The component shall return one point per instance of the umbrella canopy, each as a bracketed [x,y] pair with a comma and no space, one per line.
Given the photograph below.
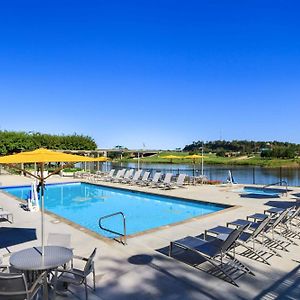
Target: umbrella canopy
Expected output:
[42,156]
[171,157]
[101,159]
[194,156]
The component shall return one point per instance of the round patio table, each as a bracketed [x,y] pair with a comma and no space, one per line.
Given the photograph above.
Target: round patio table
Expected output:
[31,259]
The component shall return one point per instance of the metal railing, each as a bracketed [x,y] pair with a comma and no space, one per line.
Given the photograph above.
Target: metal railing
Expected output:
[242,174]
[278,183]
[122,235]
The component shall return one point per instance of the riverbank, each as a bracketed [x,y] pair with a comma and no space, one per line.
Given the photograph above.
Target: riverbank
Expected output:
[216,160]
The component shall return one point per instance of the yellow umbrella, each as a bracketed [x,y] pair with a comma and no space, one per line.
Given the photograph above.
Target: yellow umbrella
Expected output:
[42,156]
[171,157]
[101,159]
[194,157]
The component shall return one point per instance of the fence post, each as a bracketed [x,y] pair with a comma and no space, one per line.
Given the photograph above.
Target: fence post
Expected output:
[253,175]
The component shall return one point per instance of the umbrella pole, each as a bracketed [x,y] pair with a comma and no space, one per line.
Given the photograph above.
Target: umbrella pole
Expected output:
[42,204]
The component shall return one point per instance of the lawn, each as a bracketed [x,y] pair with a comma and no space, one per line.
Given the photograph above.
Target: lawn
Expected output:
[215,160]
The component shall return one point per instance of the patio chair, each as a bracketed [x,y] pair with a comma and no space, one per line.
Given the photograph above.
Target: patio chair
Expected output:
[8,216]
[59,239]
[178,183]
[14,286]
[215,252]
[136,177]
[78,276]
[145,179]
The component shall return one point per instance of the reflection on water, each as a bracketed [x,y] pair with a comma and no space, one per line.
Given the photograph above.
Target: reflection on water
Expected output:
[242,174]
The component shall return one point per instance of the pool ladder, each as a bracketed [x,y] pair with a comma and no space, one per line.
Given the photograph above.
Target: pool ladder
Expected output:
[279,183]
[123,236]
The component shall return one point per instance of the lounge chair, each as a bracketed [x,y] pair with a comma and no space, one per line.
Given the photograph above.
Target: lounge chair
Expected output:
[109,176]
[78,276]
[215,251]
[249,240]
[166,181]
[286,226]
[127,176]
[118,176]
[14,286]
[8,216]
[276,240]
[155,180]
[136,177]
[178,183]
[144,180]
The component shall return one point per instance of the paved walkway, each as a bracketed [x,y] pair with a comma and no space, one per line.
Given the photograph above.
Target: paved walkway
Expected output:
[141,270]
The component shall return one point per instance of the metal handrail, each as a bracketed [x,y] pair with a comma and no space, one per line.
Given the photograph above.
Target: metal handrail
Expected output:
[278,183]
[115,232]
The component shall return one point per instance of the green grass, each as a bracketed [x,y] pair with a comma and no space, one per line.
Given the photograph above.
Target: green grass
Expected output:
[215,160]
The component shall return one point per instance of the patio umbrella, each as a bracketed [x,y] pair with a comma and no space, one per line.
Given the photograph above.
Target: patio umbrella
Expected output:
[171,157]
[194,157]
[41,157]
[101,159]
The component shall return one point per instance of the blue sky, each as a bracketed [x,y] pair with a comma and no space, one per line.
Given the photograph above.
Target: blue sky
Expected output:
[162,73]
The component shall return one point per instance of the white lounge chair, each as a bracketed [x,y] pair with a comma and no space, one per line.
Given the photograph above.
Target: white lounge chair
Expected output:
[136,177]
[109,176]
[144,180]
[127,176]
[155,180]
[178,183]
[120,174]
[166,181]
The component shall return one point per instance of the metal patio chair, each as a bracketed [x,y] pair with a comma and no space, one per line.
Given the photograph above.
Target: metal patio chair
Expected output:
[14,286]
[78,276]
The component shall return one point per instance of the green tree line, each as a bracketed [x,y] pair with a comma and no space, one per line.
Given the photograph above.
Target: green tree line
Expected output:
[243,147]
[14,142]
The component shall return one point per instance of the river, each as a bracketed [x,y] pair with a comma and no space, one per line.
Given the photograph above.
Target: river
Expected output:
[241,174]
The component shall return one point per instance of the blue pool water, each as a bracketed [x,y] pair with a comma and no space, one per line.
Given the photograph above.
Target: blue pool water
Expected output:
[84,203]
[267,192]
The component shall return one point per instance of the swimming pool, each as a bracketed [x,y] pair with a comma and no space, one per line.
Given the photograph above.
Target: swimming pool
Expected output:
[84,204]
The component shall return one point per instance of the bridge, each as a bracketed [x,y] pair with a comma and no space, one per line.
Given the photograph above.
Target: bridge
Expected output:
[104,151]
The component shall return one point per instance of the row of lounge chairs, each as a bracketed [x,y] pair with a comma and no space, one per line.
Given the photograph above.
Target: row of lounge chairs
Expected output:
[128,176]
[261,236]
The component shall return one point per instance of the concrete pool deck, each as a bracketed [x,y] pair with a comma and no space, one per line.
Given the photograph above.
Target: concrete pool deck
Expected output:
[139,271]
